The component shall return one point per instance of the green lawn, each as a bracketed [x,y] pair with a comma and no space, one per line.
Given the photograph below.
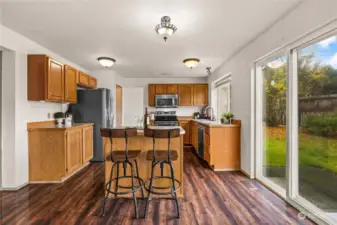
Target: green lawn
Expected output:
[313,151]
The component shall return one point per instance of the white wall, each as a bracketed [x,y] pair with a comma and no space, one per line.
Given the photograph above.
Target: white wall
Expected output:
[143,82]
[309,15]
[17,109]
[133,105]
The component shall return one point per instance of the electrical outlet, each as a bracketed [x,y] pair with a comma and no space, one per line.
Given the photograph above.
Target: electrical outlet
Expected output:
[48,115]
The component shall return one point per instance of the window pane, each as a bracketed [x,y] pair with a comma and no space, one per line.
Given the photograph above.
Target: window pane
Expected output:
[317,92]
[274,121]
[223,99]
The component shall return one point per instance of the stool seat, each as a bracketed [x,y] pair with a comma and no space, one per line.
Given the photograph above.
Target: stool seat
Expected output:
[162,155]
[120,155]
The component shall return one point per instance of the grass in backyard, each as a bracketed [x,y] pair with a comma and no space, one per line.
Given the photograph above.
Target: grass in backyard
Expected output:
[313,150]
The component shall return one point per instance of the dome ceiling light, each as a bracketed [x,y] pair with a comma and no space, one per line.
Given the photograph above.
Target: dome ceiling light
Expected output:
[165,28]
[191,62]
[106,61]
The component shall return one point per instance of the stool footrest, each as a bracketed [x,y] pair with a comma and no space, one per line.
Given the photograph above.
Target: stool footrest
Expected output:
[147,184]
[136,187]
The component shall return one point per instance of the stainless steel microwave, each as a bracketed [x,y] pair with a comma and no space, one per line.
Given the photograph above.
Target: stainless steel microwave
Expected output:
[166,101]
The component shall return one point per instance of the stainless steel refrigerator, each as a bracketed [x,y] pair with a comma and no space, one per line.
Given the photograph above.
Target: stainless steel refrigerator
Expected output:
[94,106]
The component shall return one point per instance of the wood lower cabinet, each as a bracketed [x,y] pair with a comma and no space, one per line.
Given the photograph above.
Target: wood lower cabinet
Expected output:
[187,127]
[185,94]
[74,150]
[221,145]
[58,152]
[87,144]
[70,84]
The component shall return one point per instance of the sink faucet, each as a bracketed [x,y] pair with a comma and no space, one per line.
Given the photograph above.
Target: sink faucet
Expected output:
[205,112]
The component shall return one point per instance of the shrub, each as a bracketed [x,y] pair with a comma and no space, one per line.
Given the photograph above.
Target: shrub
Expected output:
[325,126]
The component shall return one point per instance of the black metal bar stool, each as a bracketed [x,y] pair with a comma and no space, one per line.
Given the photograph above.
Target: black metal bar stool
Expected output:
[162,157]
[125,158]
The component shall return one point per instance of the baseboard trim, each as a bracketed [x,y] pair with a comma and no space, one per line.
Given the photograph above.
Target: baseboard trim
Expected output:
[14,188]
[219,170]
[63,179]
[245,173]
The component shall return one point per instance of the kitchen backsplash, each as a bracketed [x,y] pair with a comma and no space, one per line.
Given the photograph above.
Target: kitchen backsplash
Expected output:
[181,111]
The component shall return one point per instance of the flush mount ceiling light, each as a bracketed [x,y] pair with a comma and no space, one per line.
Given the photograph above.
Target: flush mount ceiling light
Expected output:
[106,61]
[165,28]
[191,62]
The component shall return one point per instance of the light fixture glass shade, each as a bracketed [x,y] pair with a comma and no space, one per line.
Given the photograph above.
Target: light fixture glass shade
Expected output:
[106,61]
[165,28]
[191,62]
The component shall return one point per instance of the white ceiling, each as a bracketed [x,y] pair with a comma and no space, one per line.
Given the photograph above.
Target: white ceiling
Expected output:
[82,30]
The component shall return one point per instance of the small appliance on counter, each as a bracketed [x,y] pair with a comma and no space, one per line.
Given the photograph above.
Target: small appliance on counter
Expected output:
[165,118]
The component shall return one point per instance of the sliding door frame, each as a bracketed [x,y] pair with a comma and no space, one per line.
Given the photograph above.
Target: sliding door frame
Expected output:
[290,50]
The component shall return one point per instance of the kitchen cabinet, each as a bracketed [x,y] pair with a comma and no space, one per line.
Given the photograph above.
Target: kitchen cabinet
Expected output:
[70,84]
[55,153]
[200,94]
[160,89]
[152,93]
[221,144]
[45,78]
[185,93]
[187,136]
[92,82]
[83,79]
[171,89]
[87,144]
[74,150]
[188,94]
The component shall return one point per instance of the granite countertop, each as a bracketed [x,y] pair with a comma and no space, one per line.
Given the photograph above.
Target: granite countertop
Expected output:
[141,130]
[62,127]
[214,123]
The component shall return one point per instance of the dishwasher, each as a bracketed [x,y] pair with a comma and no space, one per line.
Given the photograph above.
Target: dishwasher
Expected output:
[201,141]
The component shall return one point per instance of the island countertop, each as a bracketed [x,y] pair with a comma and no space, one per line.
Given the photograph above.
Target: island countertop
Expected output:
[140,131]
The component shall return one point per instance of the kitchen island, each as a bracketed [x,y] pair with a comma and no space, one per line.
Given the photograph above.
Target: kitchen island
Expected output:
[140,142]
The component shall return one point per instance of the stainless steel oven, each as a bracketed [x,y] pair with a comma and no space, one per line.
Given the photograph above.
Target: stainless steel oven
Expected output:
[166,101]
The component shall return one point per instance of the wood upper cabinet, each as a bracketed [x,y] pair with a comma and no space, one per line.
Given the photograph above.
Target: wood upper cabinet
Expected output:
[92,82]
[70,84]
[160,89]
[187,127]
[83,79]
[171,89]
[87,144]
[55,80]
[185,94]
[200,94]
[45,79]
[152,93]
[74,154]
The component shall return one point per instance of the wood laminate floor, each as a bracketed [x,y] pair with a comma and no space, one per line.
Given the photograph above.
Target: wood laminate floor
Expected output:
[210,198]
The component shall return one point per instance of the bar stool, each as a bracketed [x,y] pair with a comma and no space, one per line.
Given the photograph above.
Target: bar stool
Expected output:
[125,158]
[162,157]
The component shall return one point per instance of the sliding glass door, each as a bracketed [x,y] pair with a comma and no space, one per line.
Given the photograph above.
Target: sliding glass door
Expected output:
[296,125]
[272,121]
[317,120]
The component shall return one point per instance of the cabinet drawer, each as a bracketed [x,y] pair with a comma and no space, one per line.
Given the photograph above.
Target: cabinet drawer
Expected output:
[207,139]
[83,79]
[92,82]
[207,157]
[207,129]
